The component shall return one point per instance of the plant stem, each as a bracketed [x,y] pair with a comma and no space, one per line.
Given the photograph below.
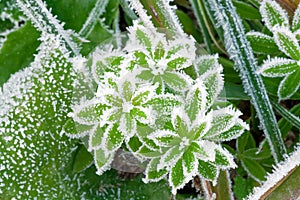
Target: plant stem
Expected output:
[290,117]
[240,51]
[163,16]
[43,20]
[223,188]
[204,25]
[200,15]
[93,18]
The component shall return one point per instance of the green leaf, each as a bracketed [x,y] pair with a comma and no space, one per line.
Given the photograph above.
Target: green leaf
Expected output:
[221,159]
[234,132]
[272,87]
[287,43]
[257,154]
[145,75]
[153,173]
[33,151]
[197,131]
[138,114]
[89,113]
[198,151]
[100,34]
[261,43]
[127,90]
[242,187]
[140,98]
[83,159]
[111,187]
[177,178]
[96,136]
[134,144]
[296,20]
[176,63]
[222,120]
[284,124]
[232,91]
[75,130]
[65,12]
[245,10]
[278,67]
[149,153]
[102,160]
[195,100]
[163,105]
[176,81]
[140,59]
[190,162]
[205,63]
[143,39]
[106,64]
[127,124]
[273,14]
[171,156]
[113,137]
[159,51]
[114,100]
[164,138]
[17,51]
[214,83]
[207,170]
[288,86]
[246,141]
[254,169]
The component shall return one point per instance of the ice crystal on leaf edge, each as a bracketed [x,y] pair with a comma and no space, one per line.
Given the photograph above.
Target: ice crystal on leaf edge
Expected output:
[280,171]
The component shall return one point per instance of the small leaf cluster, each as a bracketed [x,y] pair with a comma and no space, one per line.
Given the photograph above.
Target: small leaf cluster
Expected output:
[284,39]
[147,104]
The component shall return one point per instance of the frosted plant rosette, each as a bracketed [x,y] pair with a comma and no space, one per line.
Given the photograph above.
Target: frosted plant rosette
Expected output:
[146,104]
[284,39]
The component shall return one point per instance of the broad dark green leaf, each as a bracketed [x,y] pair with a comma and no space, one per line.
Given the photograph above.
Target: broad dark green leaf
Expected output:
[261,43]
[207,170]
[112,187]
[289,85]
[72,13]
[254,169]
[246,141]
[82,159]
[272,85]
[34,155]
[256,154]
[17,51]
[246,11]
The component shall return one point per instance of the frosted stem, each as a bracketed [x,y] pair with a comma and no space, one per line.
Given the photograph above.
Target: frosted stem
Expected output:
[164,16]
[290,117]
[207,189]
[284,180]
[93,17]
[44,21]
[138,7]
[240,51]
[223,188]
